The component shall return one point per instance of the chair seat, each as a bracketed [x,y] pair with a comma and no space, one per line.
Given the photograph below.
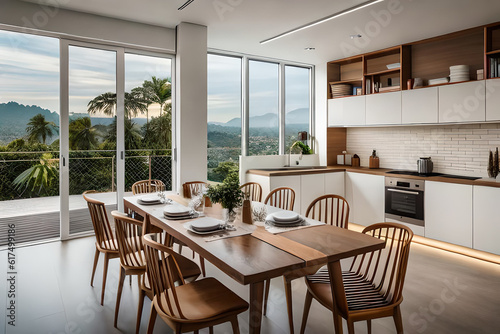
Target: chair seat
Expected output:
[360,293]
[202,300]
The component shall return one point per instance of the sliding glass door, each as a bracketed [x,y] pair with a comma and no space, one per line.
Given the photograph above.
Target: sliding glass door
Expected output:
[92,131]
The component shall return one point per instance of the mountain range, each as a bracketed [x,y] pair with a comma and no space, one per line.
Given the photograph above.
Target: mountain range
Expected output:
[14,118]
[270,120]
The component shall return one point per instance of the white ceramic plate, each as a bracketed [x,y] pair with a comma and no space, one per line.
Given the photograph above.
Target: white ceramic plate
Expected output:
[206,224]
[176,210]
[285,216]
[150,198]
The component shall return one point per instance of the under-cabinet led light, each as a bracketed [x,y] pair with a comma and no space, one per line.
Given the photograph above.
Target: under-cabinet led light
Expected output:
[328,18]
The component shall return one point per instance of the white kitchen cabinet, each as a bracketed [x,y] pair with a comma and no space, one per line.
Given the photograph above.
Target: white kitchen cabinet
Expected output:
[383,108]
[347,111]
[335,183]
[493,100]
[448,212]
[463,102]
[419,106]
[311,187]
[365,195]
[486,222]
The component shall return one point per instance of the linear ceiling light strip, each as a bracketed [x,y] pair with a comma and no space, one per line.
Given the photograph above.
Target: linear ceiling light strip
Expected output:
[187,3]
[328,18]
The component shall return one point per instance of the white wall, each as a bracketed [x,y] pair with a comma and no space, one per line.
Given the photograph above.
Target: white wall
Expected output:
[96,28]
[454,149]
[191,103]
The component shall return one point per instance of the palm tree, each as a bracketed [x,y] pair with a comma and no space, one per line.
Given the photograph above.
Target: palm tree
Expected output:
[160,90]
[39,177]
[132,136]
[106,104]
[145,95]
[82,135]
[39,129]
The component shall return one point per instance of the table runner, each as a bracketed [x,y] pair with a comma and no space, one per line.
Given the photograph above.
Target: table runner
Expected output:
[299,250]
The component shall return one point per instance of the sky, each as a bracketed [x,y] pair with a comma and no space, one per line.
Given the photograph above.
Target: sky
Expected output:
[29,74]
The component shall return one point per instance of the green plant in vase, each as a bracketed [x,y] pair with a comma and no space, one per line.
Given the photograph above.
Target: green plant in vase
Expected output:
[228,194]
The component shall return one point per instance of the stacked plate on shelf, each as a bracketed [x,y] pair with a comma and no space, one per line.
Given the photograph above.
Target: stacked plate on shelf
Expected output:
[438,81]
[177,212]
[284,219]
[459,73]
[339,90]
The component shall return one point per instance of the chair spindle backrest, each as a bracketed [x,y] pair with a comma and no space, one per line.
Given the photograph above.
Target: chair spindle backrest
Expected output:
[102,229]
[252,191]
[147,186]
[129,238]
[163,271]
[282,197]
[194,187]
[330,209]
[386,268]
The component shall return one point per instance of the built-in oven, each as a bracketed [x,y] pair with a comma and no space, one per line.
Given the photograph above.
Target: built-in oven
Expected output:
[404,201]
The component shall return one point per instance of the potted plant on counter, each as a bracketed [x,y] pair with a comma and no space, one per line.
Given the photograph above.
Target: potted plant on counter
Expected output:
[228,194]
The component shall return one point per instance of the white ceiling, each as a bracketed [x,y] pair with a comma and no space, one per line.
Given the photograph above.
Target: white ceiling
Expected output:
[239,25]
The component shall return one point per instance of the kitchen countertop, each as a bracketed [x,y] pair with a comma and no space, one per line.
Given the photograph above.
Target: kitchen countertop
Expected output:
[373,171]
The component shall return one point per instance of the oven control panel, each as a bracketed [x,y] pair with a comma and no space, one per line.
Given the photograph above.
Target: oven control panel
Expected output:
[404,183]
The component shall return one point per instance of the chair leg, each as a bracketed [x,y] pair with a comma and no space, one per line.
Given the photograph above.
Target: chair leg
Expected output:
[369,326]
[202,265]
[193,254]
[337,320]
[307,307]
[96,259]
[266,295]
[104,275]
[119,295]
[234,324]
[289,305]
[350,327]
[180,249]
[152,319]
[211,330]
[139,309]
[398,320]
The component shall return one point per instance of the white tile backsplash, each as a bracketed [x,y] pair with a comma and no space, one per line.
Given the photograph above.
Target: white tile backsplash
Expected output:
[455,149]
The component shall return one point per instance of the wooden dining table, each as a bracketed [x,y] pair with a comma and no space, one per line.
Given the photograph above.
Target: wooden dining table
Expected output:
[253,258]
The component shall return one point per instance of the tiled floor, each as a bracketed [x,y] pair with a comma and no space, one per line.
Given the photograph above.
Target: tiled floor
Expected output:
[444,293]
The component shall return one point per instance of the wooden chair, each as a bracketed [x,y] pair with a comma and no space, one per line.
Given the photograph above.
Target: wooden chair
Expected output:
[131,250]
[147,186]
[105,240]
[253,190]
[193,187]
[330,209]
[282,197]
[188,268]
[372,287]
[187,307]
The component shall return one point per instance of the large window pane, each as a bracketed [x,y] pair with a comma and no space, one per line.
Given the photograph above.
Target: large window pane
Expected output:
[29,136]
[92,130]
[148,119]
[297,103]
[224,115]
[263,108]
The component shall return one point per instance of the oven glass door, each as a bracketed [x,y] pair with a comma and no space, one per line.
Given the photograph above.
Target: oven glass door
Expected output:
[405,203]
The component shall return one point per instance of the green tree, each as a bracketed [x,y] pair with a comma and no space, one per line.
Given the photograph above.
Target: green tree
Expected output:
[157,90]
[39,129]
[132,135]
[158,134]
[106,104]
[225,169]
[82,135]
[38,178]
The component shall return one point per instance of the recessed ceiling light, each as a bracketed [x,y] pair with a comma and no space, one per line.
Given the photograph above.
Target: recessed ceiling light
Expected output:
[356,36]
[328,18]
[309,49]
